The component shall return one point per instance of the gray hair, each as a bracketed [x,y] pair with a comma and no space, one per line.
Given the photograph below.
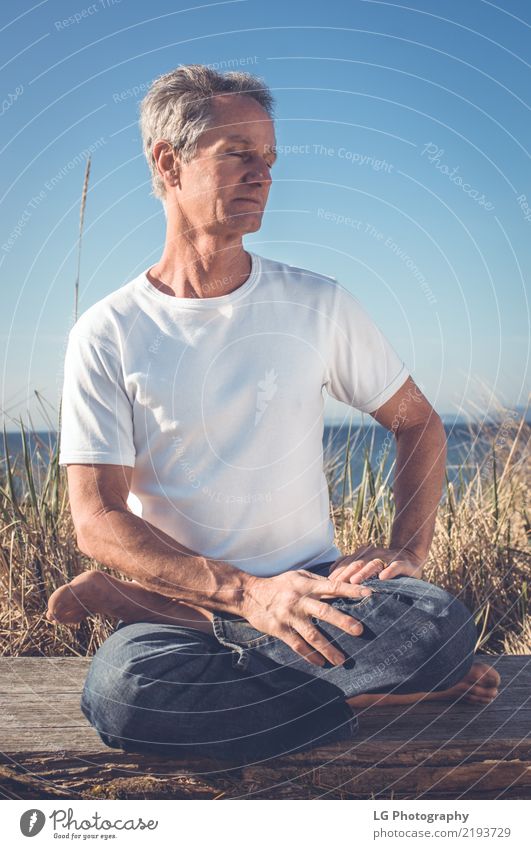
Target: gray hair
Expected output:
[177,108]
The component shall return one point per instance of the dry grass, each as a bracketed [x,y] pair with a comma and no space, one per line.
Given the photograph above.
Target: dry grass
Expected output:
[480,549]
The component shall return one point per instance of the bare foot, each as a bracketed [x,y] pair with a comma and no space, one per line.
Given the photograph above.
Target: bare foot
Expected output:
[96,592]
[479,686]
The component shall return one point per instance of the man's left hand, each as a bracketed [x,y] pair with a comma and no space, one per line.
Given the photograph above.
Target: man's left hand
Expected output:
[369,561]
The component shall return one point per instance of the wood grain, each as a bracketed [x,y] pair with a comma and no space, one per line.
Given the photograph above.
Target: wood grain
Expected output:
[428,750]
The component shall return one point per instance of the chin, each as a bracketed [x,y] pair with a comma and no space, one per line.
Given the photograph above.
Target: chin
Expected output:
[246,223]
[254,225]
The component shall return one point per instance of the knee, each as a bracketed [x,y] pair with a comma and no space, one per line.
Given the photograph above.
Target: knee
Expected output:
[135,693]
[110,692]
[451,640]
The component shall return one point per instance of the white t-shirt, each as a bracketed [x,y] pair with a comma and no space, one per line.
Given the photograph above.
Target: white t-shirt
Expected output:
[217,404]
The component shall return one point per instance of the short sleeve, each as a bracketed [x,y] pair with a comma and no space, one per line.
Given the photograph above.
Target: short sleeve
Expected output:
[363,368]
[96,414]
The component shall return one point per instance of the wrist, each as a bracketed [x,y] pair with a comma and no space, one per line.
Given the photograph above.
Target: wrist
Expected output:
[249,584]
[233,591]
[217,585]
[413,552]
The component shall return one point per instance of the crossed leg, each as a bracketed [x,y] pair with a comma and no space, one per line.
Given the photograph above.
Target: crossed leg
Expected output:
[96,592]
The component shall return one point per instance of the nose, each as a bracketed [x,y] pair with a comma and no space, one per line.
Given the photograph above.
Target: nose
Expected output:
[258,173]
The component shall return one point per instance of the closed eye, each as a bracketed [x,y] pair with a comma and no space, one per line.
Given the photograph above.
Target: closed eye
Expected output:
[243,155]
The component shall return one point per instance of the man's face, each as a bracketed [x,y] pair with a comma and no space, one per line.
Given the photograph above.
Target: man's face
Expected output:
[224,189]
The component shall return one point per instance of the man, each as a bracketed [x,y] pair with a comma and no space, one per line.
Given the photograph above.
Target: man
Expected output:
[192,432]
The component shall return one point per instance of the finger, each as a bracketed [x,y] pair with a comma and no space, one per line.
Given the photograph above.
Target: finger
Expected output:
[352,569]
[312,575]
[346,568]
[374,567]
[341,589]
[318,641]
[295,641]
[337,572]
[326,613]
[398,567]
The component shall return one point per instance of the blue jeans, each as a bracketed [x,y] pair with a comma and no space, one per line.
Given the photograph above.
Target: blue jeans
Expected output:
[246,696]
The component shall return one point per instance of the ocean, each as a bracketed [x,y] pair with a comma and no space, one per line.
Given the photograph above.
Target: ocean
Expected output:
[467,446]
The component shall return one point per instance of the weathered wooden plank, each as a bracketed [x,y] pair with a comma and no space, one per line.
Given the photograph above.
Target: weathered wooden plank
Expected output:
[428,748]
[481,777]
[32,725]
[109,774]
[31,707]
[26,666]
[42,674]
[509,699]
[359,756]
[419,723]
[367,749]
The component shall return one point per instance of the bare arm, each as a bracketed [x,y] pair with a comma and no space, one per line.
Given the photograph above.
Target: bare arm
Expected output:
[108,531]
[282,605]
[417,488]
[420,464]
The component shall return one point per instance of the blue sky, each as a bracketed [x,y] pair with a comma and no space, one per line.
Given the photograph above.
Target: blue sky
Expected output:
[404,171]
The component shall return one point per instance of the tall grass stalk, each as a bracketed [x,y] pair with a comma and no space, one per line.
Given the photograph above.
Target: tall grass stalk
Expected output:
[480,551]
[81,221]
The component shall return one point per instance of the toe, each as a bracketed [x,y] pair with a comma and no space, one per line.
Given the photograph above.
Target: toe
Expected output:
[478,700]
[483,675]
[480,690]
[472,690]
[483,693]
[478,693]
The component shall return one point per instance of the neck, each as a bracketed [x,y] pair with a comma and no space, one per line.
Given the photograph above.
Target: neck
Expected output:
[202,266]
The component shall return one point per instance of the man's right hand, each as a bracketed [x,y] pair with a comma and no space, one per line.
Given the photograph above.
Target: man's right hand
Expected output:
[285,605]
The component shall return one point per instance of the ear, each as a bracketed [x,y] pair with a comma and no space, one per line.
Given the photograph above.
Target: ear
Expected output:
[175,172]
[167,162]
